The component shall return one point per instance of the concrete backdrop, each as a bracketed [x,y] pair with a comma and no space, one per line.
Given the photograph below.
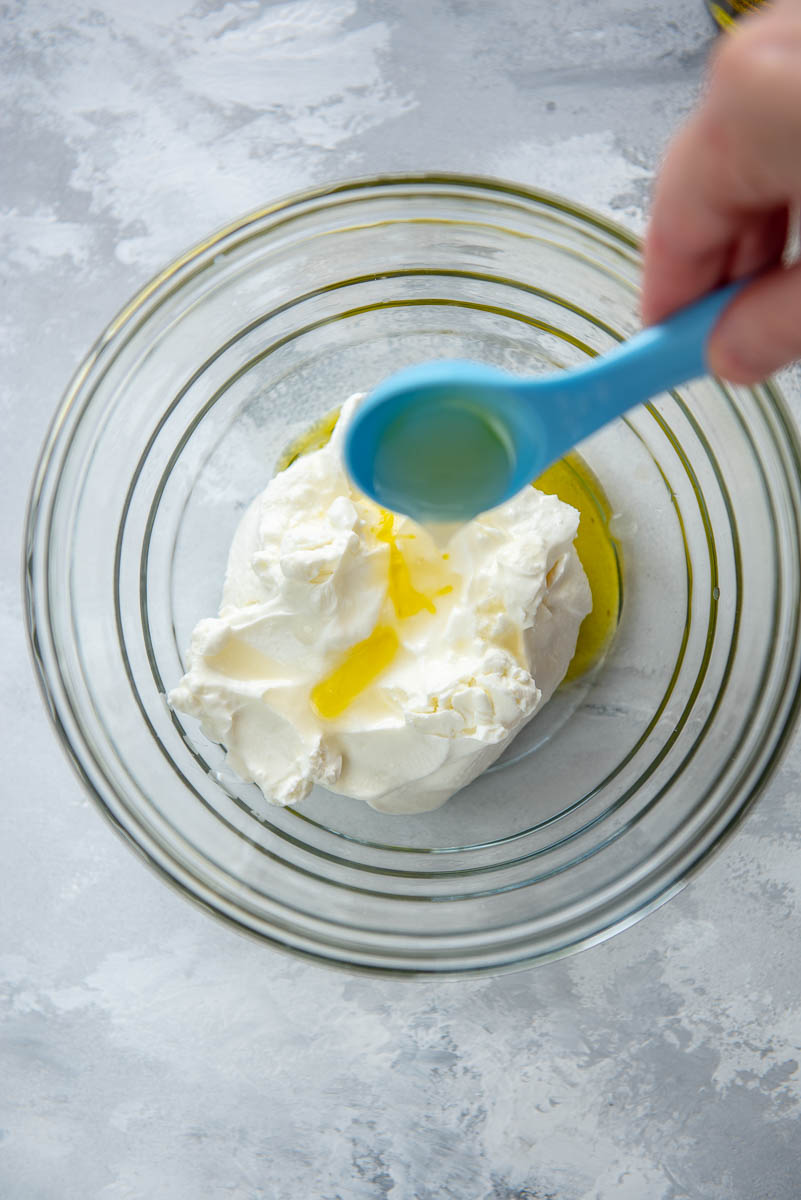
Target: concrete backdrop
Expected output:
[146,1052]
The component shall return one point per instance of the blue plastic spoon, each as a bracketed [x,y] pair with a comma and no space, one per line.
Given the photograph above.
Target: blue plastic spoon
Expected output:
[446,440]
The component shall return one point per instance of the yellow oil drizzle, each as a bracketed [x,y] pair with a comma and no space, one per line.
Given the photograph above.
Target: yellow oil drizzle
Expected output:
[313,438]
[362,664]
[572,481]
[406,599]
[365,661]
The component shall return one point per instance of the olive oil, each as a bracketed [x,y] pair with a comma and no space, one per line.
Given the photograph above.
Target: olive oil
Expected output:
[725,12]
[473,469]
[572,481]
[409,572]
[407,600]
[362,664]
[313,438]
[414,586]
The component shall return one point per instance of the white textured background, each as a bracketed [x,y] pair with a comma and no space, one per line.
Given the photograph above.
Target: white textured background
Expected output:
[147,1053]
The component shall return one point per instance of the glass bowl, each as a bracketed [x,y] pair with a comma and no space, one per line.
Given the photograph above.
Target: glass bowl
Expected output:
[625,783]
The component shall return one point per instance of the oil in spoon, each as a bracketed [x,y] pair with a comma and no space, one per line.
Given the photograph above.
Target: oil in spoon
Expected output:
[452,458]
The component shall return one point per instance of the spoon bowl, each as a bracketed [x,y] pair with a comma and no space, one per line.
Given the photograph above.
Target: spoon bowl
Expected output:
[445,440]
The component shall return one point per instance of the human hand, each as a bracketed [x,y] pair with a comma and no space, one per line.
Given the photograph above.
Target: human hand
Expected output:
[723,197]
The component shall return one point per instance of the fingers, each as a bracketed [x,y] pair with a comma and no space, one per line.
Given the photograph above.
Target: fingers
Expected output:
[692,230]
[761,329]
[731,171]
[760,244]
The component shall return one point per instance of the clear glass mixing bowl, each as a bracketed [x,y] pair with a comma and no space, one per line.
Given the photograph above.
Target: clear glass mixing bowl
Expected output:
[621,787]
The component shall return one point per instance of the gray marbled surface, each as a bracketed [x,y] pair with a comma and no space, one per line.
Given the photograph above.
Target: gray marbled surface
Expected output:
[145,1052]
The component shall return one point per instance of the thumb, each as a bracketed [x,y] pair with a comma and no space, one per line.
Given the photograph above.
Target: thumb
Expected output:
[760,331]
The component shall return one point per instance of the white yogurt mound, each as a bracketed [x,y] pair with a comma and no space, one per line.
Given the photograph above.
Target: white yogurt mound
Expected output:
[309,578]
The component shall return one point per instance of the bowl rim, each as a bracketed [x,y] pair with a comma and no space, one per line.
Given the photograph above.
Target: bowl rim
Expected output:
[141,841]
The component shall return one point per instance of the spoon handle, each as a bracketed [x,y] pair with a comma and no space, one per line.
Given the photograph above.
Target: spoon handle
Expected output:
[664,355]
[674,351]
